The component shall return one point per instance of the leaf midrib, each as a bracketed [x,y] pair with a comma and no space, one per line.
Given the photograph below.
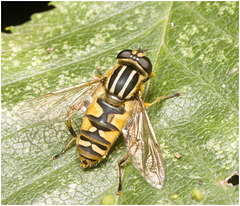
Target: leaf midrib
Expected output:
[160,46]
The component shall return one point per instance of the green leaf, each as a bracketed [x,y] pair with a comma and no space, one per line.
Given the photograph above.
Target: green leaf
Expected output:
[193,48]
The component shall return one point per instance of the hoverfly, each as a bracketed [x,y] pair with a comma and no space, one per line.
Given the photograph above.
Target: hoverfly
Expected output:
[113,105]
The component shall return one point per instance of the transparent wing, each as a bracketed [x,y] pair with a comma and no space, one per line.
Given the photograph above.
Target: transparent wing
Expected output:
[145,154]
[57,104]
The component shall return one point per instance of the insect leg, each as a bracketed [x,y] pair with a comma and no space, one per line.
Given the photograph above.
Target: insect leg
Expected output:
[76,107]
[99,71]
[121,162]
[159,98]
[60,153]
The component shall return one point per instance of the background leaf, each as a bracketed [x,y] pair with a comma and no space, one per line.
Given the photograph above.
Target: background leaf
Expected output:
[193,48]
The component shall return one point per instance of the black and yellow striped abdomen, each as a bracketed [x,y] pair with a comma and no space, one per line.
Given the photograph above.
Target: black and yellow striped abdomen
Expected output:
[100,128]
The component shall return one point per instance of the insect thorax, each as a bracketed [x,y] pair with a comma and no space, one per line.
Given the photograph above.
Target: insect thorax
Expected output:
[123,83]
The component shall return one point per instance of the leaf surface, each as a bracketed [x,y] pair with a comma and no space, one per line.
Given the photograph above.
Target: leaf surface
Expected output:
[193,48]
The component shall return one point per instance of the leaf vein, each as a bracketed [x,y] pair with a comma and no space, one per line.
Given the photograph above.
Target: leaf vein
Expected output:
[209,21]
[202,80]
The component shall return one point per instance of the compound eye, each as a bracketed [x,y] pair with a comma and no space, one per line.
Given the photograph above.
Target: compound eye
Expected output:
[145,63]
[125,54]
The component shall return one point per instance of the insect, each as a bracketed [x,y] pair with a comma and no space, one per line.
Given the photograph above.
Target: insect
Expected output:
[112,105]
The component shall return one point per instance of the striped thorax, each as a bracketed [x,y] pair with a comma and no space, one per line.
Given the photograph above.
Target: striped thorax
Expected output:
[125,79]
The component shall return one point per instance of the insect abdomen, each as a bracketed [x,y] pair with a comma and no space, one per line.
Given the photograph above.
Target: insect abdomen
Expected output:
[100,128]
